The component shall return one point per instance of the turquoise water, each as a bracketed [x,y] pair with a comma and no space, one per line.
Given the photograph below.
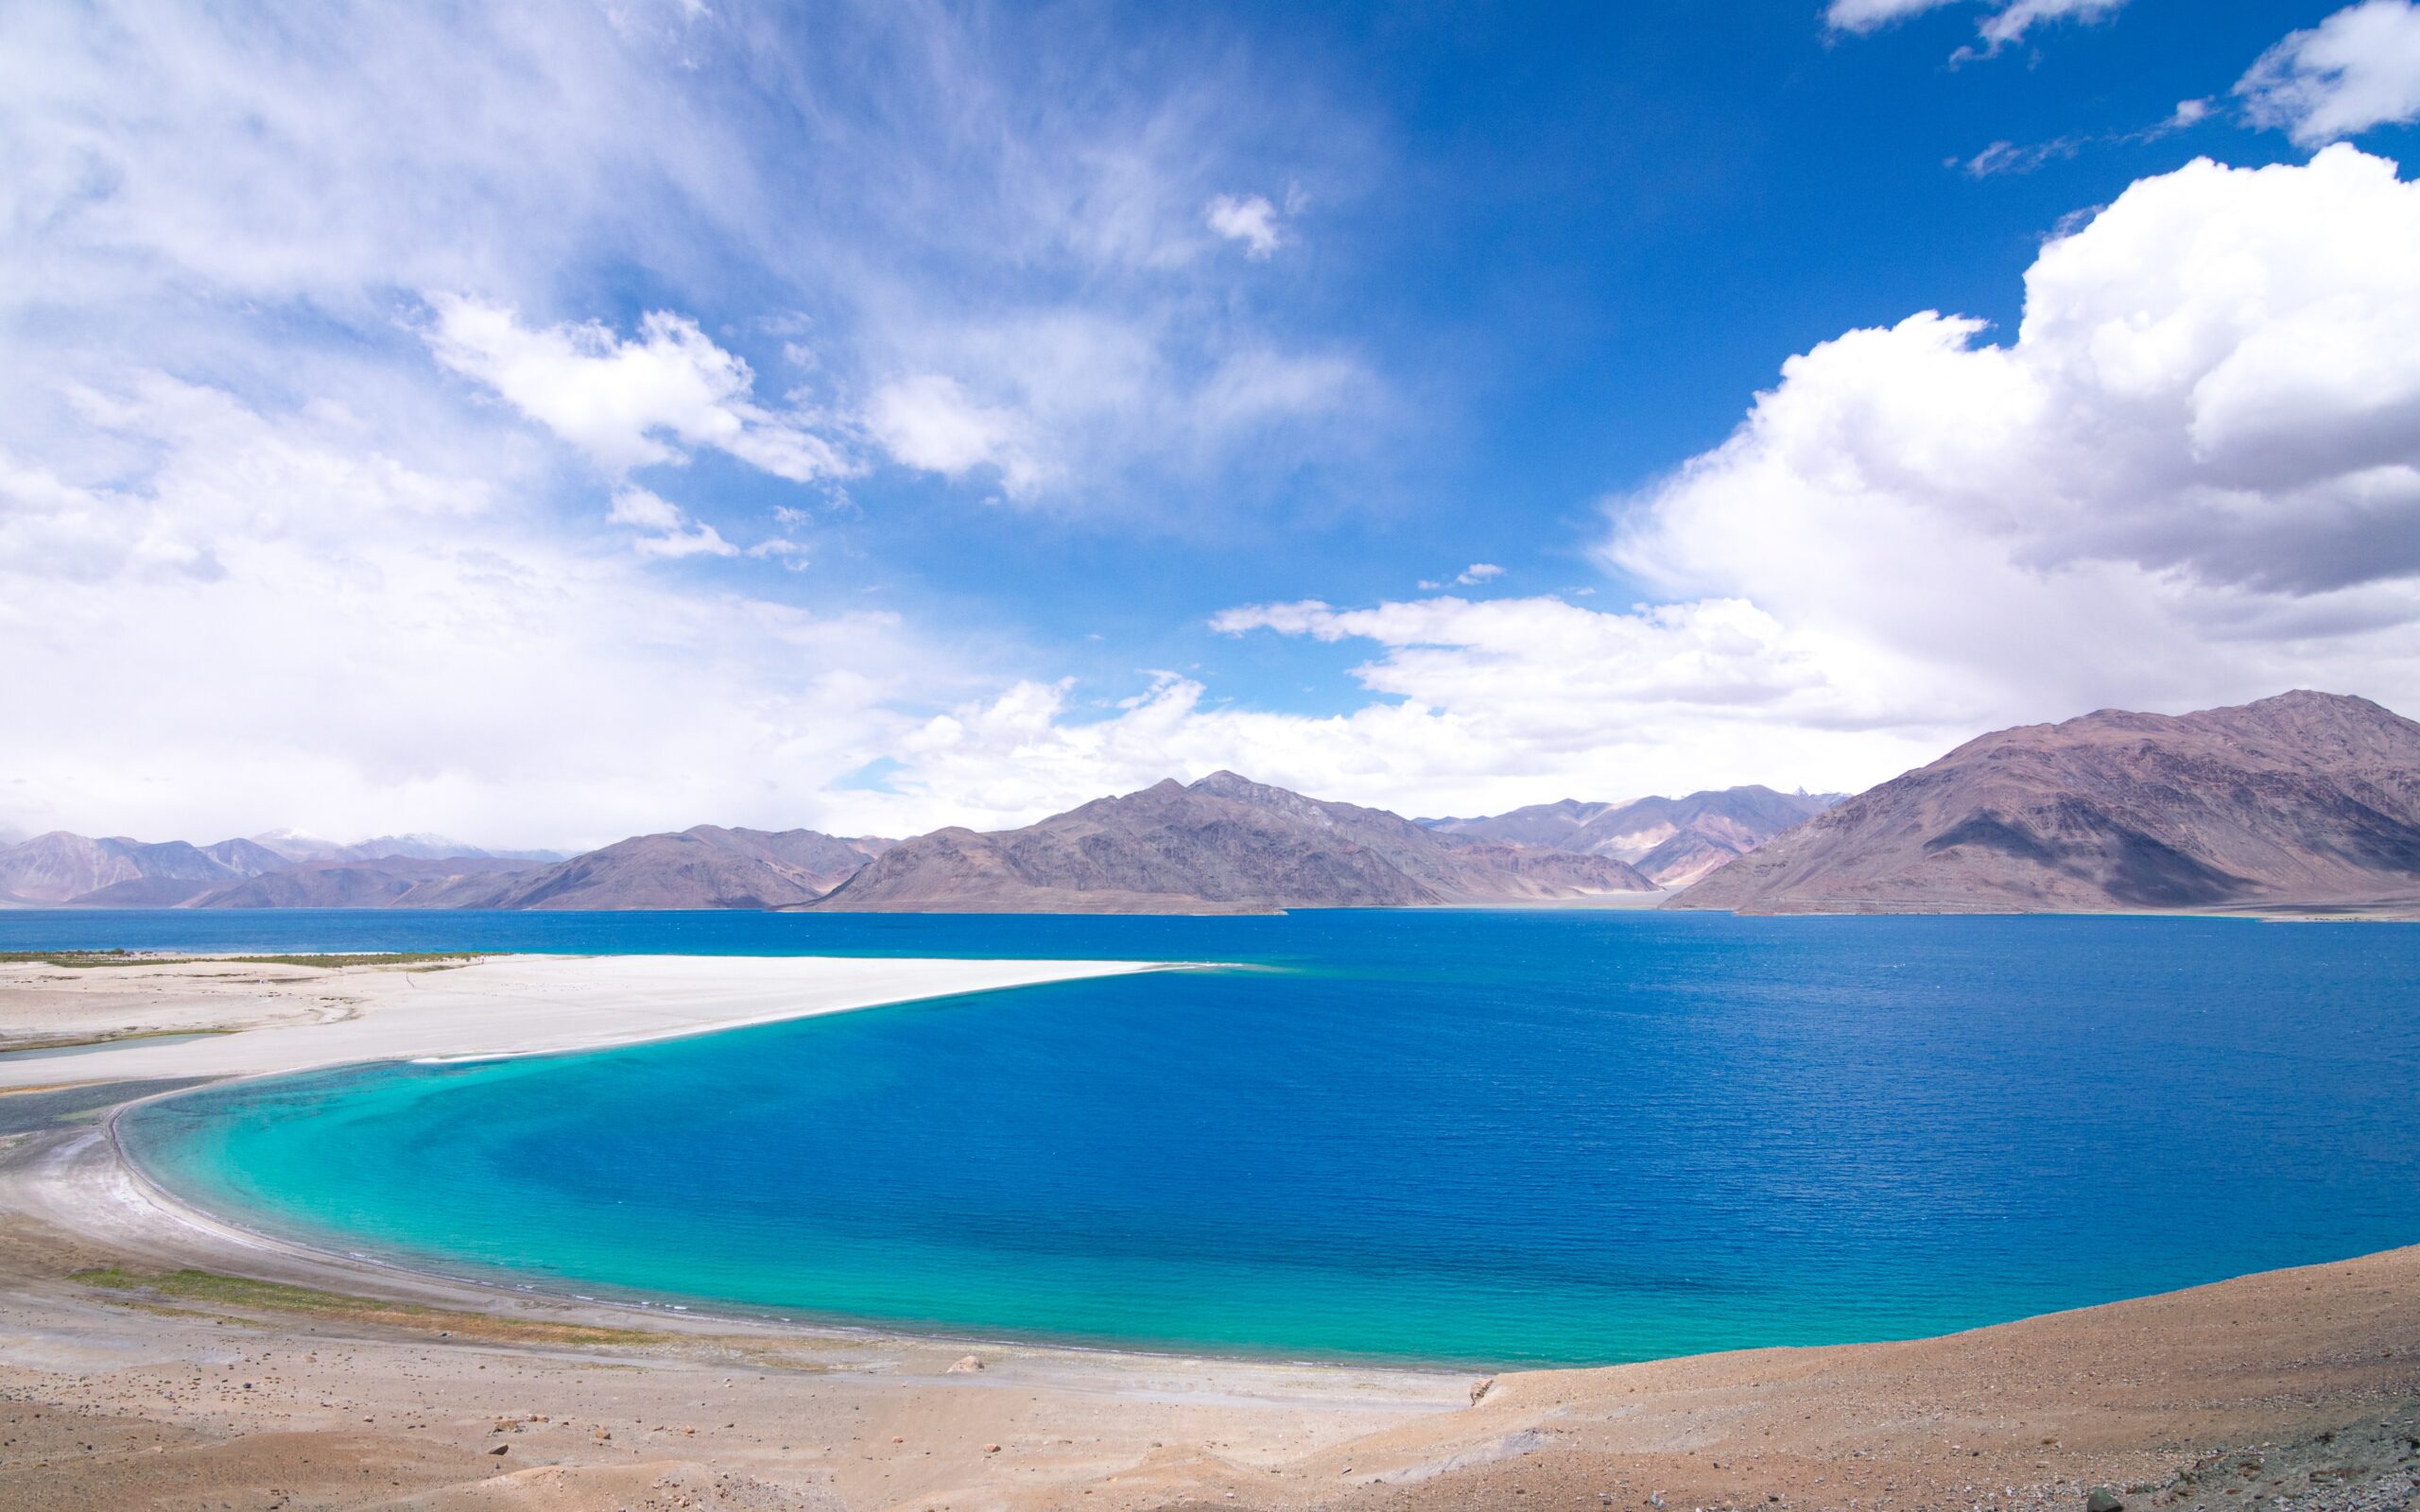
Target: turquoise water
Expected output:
[1485,1138]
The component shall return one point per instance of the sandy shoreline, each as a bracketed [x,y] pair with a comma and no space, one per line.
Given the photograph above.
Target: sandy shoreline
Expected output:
[262,1020]
[141,1365]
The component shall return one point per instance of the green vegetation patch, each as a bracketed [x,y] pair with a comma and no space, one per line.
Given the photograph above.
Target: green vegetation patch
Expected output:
[211,1288]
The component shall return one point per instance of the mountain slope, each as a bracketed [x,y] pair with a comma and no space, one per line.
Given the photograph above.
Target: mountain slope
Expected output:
[2303,799]
[391,881]
[1673,841]
[1223,844]
[60,867]
[707,867]
[292,847]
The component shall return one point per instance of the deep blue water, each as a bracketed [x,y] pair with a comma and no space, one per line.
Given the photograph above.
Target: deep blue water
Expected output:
[1494,1137]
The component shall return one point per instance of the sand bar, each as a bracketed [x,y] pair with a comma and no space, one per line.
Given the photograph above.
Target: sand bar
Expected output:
[258,1020]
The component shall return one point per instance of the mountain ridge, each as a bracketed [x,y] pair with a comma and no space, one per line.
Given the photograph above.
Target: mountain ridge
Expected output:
[1224,844]
[2304,800]
[1673,841]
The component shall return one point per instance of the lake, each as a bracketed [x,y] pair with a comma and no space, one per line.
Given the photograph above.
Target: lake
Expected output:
[1484,1138]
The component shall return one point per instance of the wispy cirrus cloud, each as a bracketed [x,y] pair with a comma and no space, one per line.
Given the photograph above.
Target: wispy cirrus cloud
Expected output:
[350,348]
[2011,156]
[2007,23]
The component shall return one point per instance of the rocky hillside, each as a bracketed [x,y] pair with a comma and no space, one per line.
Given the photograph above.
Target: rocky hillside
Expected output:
[1673,841]
[2307,800]
[1223,844]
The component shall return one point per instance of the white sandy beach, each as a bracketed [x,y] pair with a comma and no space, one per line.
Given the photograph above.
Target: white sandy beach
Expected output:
[259,1019]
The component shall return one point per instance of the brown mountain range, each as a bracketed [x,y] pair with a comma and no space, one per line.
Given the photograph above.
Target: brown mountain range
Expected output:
[707,867]
[1673,841]
[2304,802]
[113,870]
[1221,845]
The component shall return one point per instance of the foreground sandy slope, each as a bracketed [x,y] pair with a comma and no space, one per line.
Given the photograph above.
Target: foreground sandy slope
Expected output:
[131,1386]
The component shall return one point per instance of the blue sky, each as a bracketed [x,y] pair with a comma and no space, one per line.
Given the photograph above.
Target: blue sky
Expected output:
[544,422]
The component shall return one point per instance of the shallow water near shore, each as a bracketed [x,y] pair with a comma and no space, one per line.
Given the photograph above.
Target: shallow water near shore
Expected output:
[1494,1137]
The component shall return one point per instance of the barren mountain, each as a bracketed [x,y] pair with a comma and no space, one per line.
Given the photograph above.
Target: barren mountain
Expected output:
[293,848]
[2304,800]
[707,867]
[392,881]
[115,872]
[1223,845]
[1674,841]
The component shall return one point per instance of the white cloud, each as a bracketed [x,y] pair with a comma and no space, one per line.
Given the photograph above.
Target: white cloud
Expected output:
[647,512]
[1867,15]
[2359,68]
[2193,477]
[1251,221]
[2009,156]
[2011,21]
[1483,706]
[1479,571]
[790,554]
[347,642]
[624,403]
[287,150]
[670,531]
[1055,403]
[2007,23]
[930,422]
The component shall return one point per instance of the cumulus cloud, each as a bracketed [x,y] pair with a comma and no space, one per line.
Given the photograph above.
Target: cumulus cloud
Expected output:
[1251,220]
[626,403]
[1479,571]
[2190,476]
[2193,475]
[1479,706]
[2358,69]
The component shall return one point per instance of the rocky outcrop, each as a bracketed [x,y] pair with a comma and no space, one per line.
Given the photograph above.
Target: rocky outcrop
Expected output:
[2304,802]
